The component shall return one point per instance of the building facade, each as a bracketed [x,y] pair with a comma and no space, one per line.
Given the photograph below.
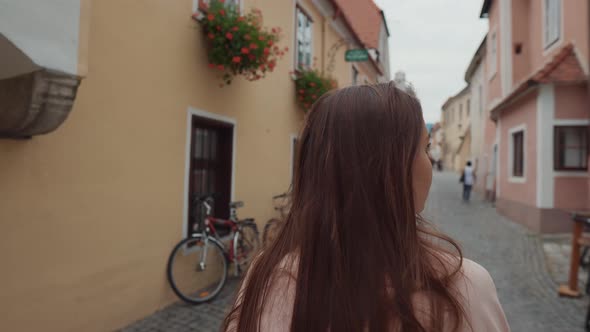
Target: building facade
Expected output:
[537,93]
[481,150]
[91,210]
[456,122]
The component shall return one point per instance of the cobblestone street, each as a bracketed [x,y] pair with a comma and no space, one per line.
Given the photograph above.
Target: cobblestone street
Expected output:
[512,255]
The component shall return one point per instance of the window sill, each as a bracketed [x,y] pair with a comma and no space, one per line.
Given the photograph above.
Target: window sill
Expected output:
[562,173]
[517,179]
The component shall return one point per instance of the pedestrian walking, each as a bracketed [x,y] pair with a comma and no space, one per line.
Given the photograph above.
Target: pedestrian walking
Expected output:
[354,253]
[468,179]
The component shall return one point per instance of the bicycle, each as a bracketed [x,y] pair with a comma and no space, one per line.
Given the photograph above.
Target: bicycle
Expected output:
[197,267]
[274,225]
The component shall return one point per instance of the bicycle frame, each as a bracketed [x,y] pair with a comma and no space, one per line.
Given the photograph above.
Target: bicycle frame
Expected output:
[210,230]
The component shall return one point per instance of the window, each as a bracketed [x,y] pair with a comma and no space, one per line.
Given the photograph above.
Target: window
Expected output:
[552,22]
[570,148]
[303,39]
[355,75]
[493,53]
[518,154]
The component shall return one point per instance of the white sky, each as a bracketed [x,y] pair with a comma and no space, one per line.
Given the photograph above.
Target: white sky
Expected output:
[433,41]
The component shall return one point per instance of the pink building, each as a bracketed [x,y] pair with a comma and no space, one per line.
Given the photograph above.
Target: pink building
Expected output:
[537,93]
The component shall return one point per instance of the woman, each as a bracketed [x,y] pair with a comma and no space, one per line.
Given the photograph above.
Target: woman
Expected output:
[354,254]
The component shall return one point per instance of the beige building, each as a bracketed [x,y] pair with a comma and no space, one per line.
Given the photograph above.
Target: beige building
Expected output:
[456,122]
[90,211]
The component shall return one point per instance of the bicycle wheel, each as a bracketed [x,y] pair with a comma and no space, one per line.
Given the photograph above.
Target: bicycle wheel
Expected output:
[197,269]
[247,246]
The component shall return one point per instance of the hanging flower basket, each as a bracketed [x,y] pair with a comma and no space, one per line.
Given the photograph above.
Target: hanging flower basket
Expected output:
[238,44]
[310,85]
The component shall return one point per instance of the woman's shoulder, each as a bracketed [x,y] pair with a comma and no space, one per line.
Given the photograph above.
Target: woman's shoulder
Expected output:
[476,274]
[481,304]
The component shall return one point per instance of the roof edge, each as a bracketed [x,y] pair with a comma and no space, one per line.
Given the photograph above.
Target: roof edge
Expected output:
[485,9]
[476,60]
[459,94]
[385,22]
[355,34]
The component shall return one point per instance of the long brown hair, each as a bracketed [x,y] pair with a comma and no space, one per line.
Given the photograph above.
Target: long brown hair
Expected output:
[362,251]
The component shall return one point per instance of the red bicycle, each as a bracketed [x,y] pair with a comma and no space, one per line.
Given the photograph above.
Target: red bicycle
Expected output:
[198,265]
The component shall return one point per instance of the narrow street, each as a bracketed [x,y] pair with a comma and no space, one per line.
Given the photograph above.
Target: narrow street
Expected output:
[513,256]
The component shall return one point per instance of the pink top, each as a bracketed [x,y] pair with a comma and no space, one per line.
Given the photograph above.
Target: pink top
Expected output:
[481,304]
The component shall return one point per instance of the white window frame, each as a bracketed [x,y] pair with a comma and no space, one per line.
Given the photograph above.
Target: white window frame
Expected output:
[240,4]
[354,75]
[511,132]
[556,150]
[300,9]
[552,39]
[493,53]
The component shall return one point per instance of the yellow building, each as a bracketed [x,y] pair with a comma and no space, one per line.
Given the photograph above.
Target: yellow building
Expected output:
[90,211]
[456,124]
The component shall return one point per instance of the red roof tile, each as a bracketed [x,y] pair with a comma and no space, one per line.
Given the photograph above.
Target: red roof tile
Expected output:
[365,19]
[564,67]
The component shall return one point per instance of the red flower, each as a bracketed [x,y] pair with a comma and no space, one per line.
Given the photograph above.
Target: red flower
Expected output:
[251,57]
[266,51]
[261,38]
[301,91]
[247,37]
[245,50]
[222,1]
[229,36]
[276,48]
[241,19]
[236,59]
[301,98]
[218,28]
[222,12]
[312,84]
[220,67]
[253,46]
[235,29]
[210,17]
[286,49]
[272,65]
[313,96]
[211,65]
[270,43]
[306,105]
[262,67]
[211,35]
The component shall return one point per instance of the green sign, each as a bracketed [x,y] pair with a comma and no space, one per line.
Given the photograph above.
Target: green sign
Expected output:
[357,55]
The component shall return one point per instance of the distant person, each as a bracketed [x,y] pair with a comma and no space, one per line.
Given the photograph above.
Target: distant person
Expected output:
[467,178]
[354,254]
[435,154]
